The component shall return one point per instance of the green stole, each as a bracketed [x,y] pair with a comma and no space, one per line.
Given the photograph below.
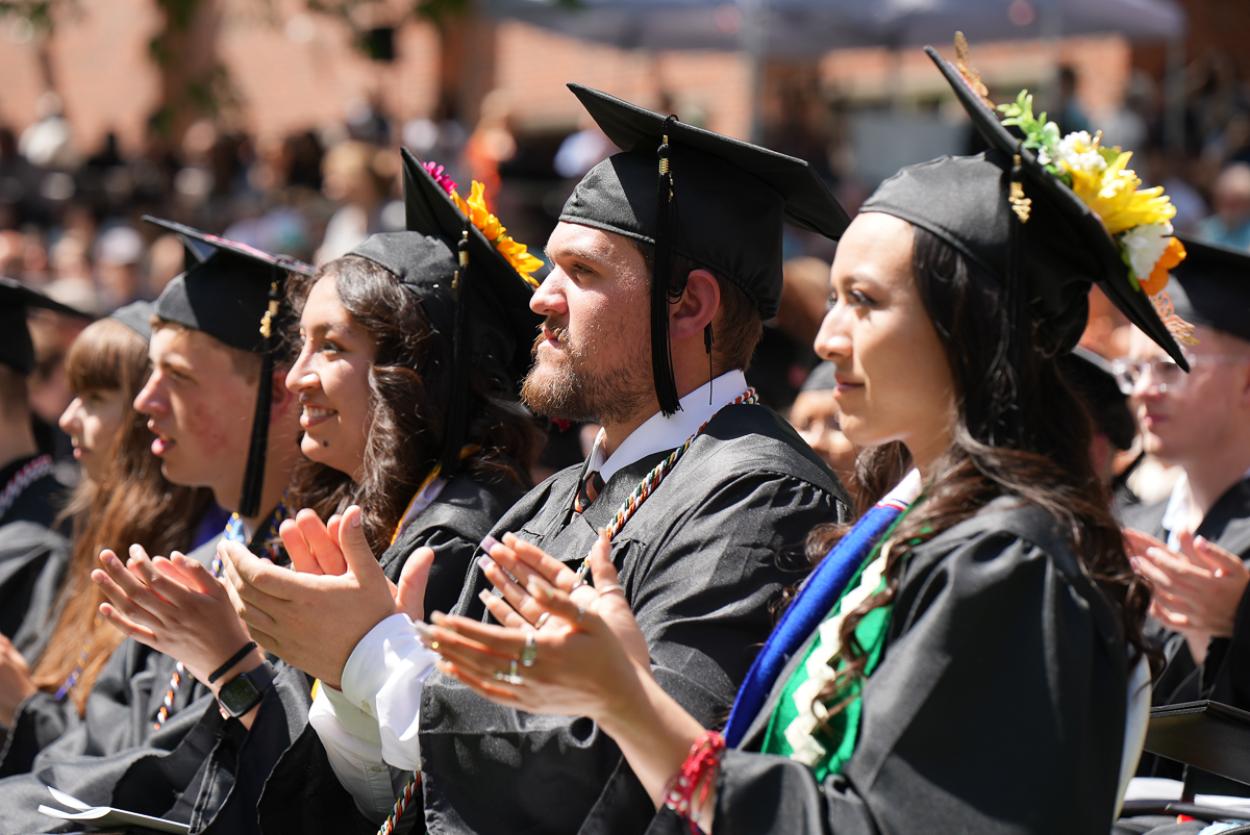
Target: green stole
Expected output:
[795,727]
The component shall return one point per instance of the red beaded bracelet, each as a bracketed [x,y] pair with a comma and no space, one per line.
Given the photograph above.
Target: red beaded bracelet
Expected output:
[696,775]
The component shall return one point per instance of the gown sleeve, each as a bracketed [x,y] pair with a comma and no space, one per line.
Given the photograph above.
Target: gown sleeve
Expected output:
[702,594]
[998,707]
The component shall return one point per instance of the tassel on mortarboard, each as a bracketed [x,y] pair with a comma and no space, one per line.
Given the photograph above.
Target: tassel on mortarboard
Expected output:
[454,430]
[254,472]
[666,210]
[1016,294]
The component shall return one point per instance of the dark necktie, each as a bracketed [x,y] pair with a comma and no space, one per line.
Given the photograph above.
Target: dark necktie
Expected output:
[588,491]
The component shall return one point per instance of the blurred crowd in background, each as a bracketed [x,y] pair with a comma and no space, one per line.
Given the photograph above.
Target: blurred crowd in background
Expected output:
[70,217]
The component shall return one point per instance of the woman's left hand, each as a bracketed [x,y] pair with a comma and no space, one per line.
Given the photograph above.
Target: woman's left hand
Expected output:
[314,617]
[174,606]
[15,681]
[583,662]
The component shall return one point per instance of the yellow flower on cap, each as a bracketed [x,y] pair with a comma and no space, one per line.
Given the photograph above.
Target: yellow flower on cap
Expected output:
[516,253]
[1116,196]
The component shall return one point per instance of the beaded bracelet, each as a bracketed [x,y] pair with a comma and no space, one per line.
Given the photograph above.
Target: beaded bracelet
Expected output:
[696,775]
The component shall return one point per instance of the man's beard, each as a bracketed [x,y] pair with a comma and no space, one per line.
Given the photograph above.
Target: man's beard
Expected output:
[569,390]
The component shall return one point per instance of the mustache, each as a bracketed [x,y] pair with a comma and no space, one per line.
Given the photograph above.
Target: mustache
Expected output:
[560,335]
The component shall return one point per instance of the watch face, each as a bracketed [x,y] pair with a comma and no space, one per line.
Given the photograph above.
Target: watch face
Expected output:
[239,695]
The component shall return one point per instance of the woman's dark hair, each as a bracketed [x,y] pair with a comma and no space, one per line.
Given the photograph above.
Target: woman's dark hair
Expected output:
[999,448]
[407,389]
[132,503]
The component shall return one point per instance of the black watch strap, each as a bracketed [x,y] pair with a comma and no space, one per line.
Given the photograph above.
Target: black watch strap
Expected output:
[246,690]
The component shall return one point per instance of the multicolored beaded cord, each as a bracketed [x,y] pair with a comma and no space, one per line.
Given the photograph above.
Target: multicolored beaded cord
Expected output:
[401,804]
[697,774]
[652,479]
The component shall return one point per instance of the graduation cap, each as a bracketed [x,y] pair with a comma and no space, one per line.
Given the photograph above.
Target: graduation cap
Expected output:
[233,293]
[1214,288]
[137,316]
[1023,226]
[821,378]
[477,298]
[1091,377]
[716,201]
[16,300]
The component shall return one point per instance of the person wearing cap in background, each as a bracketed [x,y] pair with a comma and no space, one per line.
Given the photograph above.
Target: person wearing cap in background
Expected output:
[814,415]
[969,657]
[1094,381]
[706,495]
[28,490]
[1193,546]
[221,417]
[32,498]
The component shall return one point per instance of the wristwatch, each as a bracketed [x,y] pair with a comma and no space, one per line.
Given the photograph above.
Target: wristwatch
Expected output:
[245,691]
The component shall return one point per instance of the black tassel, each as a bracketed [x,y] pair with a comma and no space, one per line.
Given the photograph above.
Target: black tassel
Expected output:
[665,215]
[454,429]
[1016,299]
[254,470]
[707,347]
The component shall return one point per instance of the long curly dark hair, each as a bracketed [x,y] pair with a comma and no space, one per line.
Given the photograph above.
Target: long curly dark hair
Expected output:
[1001,447]
[406,392]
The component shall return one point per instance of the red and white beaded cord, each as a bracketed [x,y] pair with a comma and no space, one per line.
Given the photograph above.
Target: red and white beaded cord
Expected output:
[697,776]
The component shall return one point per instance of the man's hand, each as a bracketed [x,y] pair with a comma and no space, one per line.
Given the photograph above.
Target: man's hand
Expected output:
[1197,590]
[314,619]
[174,606]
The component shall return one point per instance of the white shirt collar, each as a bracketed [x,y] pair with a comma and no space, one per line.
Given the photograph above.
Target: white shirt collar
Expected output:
[1180,509]
[1177,514]
[659,433]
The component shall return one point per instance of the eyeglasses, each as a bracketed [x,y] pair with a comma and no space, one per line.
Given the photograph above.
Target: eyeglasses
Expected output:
[1164,373]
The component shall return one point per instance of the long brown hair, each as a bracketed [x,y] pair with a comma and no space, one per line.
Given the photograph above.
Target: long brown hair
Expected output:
[132,503]
[406,391]
[1000,447]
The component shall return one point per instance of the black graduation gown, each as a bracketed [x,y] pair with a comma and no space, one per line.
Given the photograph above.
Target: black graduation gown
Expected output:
[702,561]
[197,767]
[1225,676]
[998,705]
[302,794]
[33,560]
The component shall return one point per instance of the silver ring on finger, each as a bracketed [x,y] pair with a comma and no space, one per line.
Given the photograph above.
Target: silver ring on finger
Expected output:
[510,677]
[612,588]
[530,651]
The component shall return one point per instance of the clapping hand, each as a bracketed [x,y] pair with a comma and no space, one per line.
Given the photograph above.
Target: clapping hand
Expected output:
[1197,589]
[313,616]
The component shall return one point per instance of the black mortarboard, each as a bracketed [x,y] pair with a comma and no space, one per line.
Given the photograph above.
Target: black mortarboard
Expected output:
[468,290]
[1213,288]
[233,293]
[1091,377]
[16,300]
[1048,262]
[715,200]
[137,316]
[821,378]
